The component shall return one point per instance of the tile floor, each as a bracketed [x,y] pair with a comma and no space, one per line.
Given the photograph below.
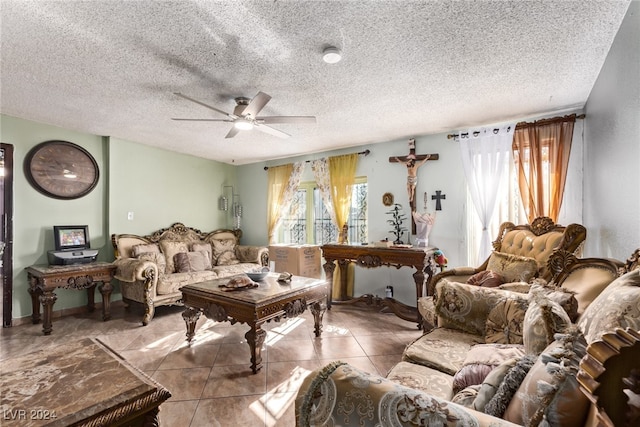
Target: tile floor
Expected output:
[211,382]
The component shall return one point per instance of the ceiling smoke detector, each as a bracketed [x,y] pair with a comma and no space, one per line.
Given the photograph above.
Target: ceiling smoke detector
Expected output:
[331,55]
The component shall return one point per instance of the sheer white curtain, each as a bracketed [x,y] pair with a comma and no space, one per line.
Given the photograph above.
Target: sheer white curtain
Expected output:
[485,156]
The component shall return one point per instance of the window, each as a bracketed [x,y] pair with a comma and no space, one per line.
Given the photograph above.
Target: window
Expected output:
[308,220]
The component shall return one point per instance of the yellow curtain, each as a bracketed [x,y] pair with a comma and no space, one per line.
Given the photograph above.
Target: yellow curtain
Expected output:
[277,181]
[534,144]
[342,172]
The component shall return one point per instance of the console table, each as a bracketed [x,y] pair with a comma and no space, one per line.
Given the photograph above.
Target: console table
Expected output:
[370,257]
[44,279]
[81,383]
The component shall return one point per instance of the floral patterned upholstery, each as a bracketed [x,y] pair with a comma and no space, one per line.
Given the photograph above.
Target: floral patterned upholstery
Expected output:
[145,279]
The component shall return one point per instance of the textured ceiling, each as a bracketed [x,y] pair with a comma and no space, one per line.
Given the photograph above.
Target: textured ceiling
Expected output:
[409,68]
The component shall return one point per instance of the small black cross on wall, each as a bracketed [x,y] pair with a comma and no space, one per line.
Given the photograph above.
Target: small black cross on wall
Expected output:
[437,197]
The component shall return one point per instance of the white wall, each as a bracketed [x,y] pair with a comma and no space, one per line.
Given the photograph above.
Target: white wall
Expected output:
[612,149]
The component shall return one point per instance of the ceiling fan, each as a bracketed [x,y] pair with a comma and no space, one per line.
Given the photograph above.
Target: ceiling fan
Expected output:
[245,116]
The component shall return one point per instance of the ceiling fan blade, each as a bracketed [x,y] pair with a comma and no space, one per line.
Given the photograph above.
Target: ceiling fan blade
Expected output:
[202,120]
[257,103]
[271,131]
[233,116]
[285,119]
[233,132]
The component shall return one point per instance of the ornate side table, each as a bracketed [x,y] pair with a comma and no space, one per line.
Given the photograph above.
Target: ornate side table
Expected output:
[44,279]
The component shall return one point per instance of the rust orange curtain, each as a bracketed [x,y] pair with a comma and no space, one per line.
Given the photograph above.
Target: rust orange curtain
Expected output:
[541,151]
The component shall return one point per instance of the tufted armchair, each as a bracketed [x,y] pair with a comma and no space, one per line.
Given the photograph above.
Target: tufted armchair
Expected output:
[537,240]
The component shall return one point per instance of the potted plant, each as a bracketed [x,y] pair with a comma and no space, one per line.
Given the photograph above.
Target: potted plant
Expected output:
[396,222]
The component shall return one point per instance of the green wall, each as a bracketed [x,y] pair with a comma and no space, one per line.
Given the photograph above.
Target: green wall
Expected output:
[160,187]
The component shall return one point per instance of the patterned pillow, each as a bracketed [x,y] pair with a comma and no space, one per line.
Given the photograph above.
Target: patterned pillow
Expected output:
[513,268]
[157,258]
[170,249]
[492,382]
[505,321]
[486,278]
[543,319]
[186,262]
[140,249]
[195,247]
[508,387]
[550,392]
[480,361]
[224,252]
[618,305]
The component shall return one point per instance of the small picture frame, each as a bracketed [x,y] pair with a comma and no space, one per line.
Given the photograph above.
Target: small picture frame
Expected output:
[387,199]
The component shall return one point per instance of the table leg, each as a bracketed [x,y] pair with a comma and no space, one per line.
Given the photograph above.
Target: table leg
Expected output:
[418,277]
[317,309]
[191,316]
[91,298]
[47,298]
[255,338]
[35,293]
[106,289]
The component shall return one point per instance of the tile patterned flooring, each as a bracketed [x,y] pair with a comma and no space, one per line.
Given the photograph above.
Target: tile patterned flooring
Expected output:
[211,381]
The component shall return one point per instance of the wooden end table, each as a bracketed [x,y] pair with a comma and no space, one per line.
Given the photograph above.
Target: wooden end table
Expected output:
[82,383]
[271,300]
[44,279]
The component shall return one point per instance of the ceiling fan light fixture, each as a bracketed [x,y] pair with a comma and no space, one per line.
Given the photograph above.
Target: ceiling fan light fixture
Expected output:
[243,125]
[331,55]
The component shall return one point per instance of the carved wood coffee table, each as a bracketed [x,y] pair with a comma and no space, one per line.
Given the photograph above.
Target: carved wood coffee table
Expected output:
[271,300]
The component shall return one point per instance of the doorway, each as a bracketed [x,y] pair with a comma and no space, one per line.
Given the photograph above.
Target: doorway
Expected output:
[6,233]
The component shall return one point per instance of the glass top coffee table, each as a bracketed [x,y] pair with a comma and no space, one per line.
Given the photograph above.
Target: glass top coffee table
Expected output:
[270,300]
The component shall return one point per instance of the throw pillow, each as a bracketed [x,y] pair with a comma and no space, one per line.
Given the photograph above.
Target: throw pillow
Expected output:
[186,262]
[508,387]
[224,252]
[543,319]
[505,320]
[170,249]
[480,360]
[195,247]
[486,278]
[550,393]
[513,268]
[618,305]
[140,249]
[491,383]
[157,258]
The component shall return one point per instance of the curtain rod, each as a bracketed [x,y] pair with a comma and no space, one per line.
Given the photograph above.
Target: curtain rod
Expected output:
[362,153]
[520,124]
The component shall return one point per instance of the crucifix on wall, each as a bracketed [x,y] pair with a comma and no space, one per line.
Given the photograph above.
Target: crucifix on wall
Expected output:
[413,161]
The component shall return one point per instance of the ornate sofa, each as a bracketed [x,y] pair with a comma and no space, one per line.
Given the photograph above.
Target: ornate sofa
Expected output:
[536,240]
[501,357]
[152,269]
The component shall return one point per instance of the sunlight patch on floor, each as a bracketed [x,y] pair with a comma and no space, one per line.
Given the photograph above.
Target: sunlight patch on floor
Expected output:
[276,401]
[337,330]
[277,333]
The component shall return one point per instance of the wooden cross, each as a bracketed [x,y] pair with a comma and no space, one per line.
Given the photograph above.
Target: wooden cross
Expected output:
[413,161]
[437,197]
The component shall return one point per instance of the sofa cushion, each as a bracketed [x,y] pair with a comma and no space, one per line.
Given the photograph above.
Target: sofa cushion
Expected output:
[486,278]
[543,319]
[505,320]
[192,261]
[618,305]
[170,248]
[171,283]
[513,268]
[550,392]
[492,382]
[466,307]
[442,349]
[224,252]
[140,249]
[422,378]
[157,258]
[481,360]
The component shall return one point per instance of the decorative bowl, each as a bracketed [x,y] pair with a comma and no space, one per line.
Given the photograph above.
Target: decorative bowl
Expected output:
[256,276]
